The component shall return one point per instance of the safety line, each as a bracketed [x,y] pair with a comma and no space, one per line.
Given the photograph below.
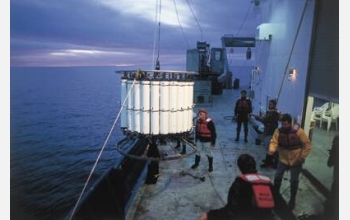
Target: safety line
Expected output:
[104,145]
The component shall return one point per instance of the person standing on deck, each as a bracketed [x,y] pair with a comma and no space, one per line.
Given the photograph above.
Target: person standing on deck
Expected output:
[293,146]
[205,138]
[270,121]
[332,208]
[243,109]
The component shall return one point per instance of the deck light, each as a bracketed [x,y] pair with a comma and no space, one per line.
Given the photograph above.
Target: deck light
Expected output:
[292,74]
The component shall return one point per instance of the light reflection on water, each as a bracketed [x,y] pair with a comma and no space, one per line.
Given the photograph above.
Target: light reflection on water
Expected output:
[60,118]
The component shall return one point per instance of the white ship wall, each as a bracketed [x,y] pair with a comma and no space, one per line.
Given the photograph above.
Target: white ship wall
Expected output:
[272,56]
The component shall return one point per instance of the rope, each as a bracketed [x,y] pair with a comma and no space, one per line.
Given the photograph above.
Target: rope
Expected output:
[290,55]
[160,7]
[189,5]
[229,117]
[245,18]
[156,42]
[178,20]
[99,155]
[216,191]
[157,159]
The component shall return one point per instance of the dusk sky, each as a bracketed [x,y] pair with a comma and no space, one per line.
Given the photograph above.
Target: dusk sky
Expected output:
[118,33]
[121,32]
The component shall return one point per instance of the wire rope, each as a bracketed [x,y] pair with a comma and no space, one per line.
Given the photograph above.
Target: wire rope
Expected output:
[178,20]
[157,159]
[156,41]
[244,20]
[200,28]
[99,155]
[291,52]
[155,34]
[160,10]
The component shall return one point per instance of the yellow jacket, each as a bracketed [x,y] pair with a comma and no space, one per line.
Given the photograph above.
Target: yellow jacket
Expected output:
[294,156]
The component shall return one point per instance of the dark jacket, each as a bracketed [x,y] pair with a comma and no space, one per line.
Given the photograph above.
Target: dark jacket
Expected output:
[243,108]
[333,159]
[239,204]
[270,121]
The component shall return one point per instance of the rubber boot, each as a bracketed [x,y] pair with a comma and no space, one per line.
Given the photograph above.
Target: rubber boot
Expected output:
[210,159]
[177,144]
[153,166]
[246,136]
[183,149]
[268,161]
[237,138]
[196,162]
[293,194]
[277,185]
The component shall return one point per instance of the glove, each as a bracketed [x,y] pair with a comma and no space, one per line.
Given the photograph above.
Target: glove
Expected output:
[299,161]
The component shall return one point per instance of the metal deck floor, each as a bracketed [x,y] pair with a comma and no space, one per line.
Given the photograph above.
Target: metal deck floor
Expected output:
[177,196]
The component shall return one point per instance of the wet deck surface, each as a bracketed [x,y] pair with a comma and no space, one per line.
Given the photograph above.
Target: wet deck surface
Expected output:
[181,193]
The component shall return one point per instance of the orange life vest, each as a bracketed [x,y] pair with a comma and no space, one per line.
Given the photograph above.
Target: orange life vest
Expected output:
[243,106]
[262,195]
[202,128]
[289,139]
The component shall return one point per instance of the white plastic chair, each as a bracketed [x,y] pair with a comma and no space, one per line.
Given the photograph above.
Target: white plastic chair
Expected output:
[317,113]
[331,116]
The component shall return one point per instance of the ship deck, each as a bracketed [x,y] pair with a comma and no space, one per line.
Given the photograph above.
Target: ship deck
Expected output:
[179,196]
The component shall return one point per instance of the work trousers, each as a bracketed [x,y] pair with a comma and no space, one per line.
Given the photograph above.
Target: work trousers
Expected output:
[204,146]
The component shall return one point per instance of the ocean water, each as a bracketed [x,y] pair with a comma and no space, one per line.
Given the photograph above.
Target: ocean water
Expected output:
[60,119]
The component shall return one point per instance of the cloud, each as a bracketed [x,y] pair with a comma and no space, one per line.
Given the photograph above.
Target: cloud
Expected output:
[168,12]
[110,32]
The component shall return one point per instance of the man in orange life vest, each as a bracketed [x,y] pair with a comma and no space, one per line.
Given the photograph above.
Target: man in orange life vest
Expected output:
[293,146]
[205,138]
[243,109]
[250,195]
